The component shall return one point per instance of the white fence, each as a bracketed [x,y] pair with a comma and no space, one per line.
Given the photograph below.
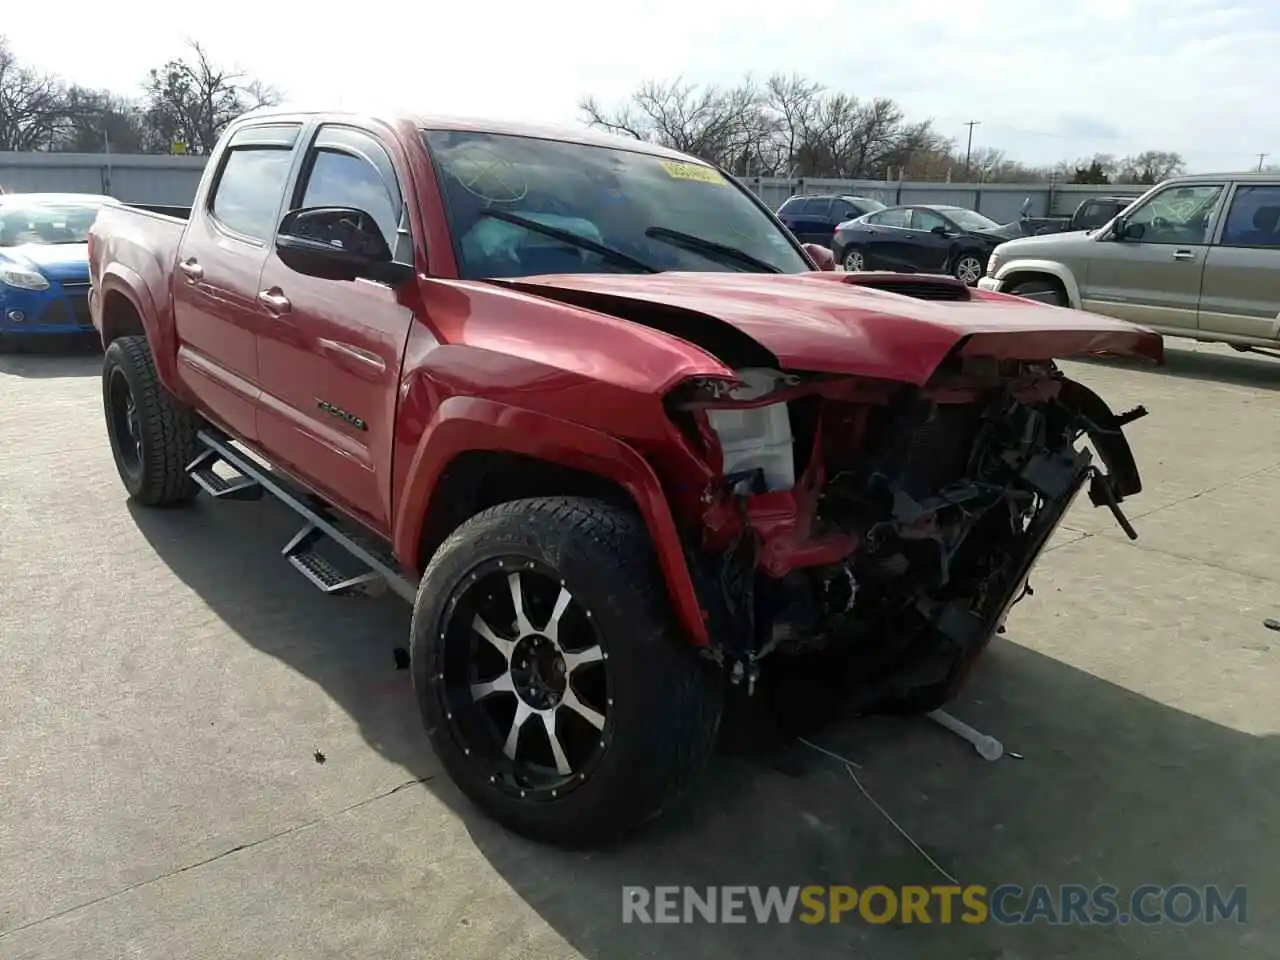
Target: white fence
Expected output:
[1000,201]
[133,178]
[172,180]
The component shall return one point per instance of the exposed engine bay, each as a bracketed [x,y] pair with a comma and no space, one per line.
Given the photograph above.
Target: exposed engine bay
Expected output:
[880,531]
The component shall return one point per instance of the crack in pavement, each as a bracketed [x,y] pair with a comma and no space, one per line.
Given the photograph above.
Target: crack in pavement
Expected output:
[1087,534]
[1206,490]
[218,856]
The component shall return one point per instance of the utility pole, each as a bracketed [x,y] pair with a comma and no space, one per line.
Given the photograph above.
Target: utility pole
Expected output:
[1261,157]
[968,150]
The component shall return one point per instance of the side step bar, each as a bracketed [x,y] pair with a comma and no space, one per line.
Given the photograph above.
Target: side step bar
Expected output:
[253,480]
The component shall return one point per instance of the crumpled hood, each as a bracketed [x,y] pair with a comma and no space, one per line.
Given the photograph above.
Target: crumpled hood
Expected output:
[824,322]
[57,261]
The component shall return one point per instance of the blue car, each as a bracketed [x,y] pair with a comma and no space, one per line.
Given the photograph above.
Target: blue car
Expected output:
[44,264]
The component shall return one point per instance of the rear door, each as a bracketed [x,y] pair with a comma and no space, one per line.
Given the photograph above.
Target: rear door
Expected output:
[887,240]
[1154,279]
[1240,290]
[813,221]
[329,351]
[215,282]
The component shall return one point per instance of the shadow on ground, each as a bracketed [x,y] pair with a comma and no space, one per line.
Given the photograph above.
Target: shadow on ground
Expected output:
[1242,369]
[53,360]
[1114,788]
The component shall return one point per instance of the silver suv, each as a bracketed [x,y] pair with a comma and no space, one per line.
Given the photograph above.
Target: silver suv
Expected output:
[1195,256]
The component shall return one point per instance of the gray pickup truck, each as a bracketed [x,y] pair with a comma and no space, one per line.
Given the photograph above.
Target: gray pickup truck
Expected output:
[1092,213]
[1195,256]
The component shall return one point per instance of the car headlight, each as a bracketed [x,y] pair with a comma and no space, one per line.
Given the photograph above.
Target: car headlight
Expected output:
[22,278]
[993,263]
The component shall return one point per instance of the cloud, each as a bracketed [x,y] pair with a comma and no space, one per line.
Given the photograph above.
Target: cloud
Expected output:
[1048,80]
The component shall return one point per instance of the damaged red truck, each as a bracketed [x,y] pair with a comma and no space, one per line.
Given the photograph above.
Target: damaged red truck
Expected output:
[618,437]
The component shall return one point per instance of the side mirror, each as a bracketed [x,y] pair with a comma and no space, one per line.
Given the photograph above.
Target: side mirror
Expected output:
[820,255]
[940,230]
[336,243]
[1122,229]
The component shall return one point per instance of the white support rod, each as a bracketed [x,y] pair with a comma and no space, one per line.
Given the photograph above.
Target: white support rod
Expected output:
[989,748]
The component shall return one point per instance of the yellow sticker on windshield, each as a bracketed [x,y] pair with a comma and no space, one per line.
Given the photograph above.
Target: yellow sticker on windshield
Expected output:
[692,171]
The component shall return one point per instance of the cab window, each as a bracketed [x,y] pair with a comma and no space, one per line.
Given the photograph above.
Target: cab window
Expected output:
[1177,215]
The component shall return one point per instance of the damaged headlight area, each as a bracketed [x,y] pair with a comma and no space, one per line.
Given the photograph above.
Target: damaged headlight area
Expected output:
[880,531]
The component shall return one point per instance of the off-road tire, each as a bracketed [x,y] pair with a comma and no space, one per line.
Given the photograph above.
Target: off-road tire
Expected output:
[167,428]
[666,701]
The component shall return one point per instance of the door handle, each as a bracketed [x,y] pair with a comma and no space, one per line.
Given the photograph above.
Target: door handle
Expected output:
[191,269]
[276,303]
[1184,255]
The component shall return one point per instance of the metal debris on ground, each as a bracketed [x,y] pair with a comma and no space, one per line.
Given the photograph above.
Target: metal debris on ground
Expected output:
[851,768]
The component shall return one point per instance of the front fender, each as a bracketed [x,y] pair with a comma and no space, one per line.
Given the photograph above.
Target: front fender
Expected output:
[1051,267]
[467,424]
[121,280]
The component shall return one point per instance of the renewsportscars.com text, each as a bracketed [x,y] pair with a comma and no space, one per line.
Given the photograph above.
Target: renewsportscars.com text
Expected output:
[1069,904]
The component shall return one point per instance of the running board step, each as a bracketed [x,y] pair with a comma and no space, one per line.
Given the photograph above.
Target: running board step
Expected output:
[303,550]
[240,487]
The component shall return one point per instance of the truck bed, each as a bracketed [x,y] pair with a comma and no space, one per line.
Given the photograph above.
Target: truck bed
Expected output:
[140,239]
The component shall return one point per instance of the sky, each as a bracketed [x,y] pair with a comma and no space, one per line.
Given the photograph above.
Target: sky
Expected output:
[1049,81]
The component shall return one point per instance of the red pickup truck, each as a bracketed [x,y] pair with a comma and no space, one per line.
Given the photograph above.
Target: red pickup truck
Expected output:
[620,439]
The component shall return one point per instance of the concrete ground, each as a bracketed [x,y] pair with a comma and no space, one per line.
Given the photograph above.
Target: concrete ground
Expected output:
[167,681]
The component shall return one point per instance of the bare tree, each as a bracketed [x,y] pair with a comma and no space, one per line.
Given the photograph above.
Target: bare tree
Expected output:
[726,125]
[794,101]
[192,100]
[98,120]
[32,113]
[794,127]
[1150,166]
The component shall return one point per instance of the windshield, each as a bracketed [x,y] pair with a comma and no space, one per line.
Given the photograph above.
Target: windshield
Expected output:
[970,220]
[636,212]
[46,221]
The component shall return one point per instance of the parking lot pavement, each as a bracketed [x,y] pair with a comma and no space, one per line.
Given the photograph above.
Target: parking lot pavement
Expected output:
[168,682]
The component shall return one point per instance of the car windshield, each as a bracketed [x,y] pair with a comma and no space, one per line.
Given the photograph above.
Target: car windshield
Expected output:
[869,205]
[46,221]
[633,211]
[970,219]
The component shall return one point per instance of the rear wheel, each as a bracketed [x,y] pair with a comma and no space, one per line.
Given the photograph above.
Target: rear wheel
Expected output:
[153,436]
[552,682]
[1044,291]
[854,260]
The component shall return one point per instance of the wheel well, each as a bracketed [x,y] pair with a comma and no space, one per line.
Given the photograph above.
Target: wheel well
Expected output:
[120,318]
[476,480]
[1024,276]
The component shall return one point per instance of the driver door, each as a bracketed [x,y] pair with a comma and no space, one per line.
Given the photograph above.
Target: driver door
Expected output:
[1155,278]
[329,351]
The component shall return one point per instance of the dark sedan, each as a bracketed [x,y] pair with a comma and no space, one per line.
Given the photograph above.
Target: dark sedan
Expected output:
[921,238]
